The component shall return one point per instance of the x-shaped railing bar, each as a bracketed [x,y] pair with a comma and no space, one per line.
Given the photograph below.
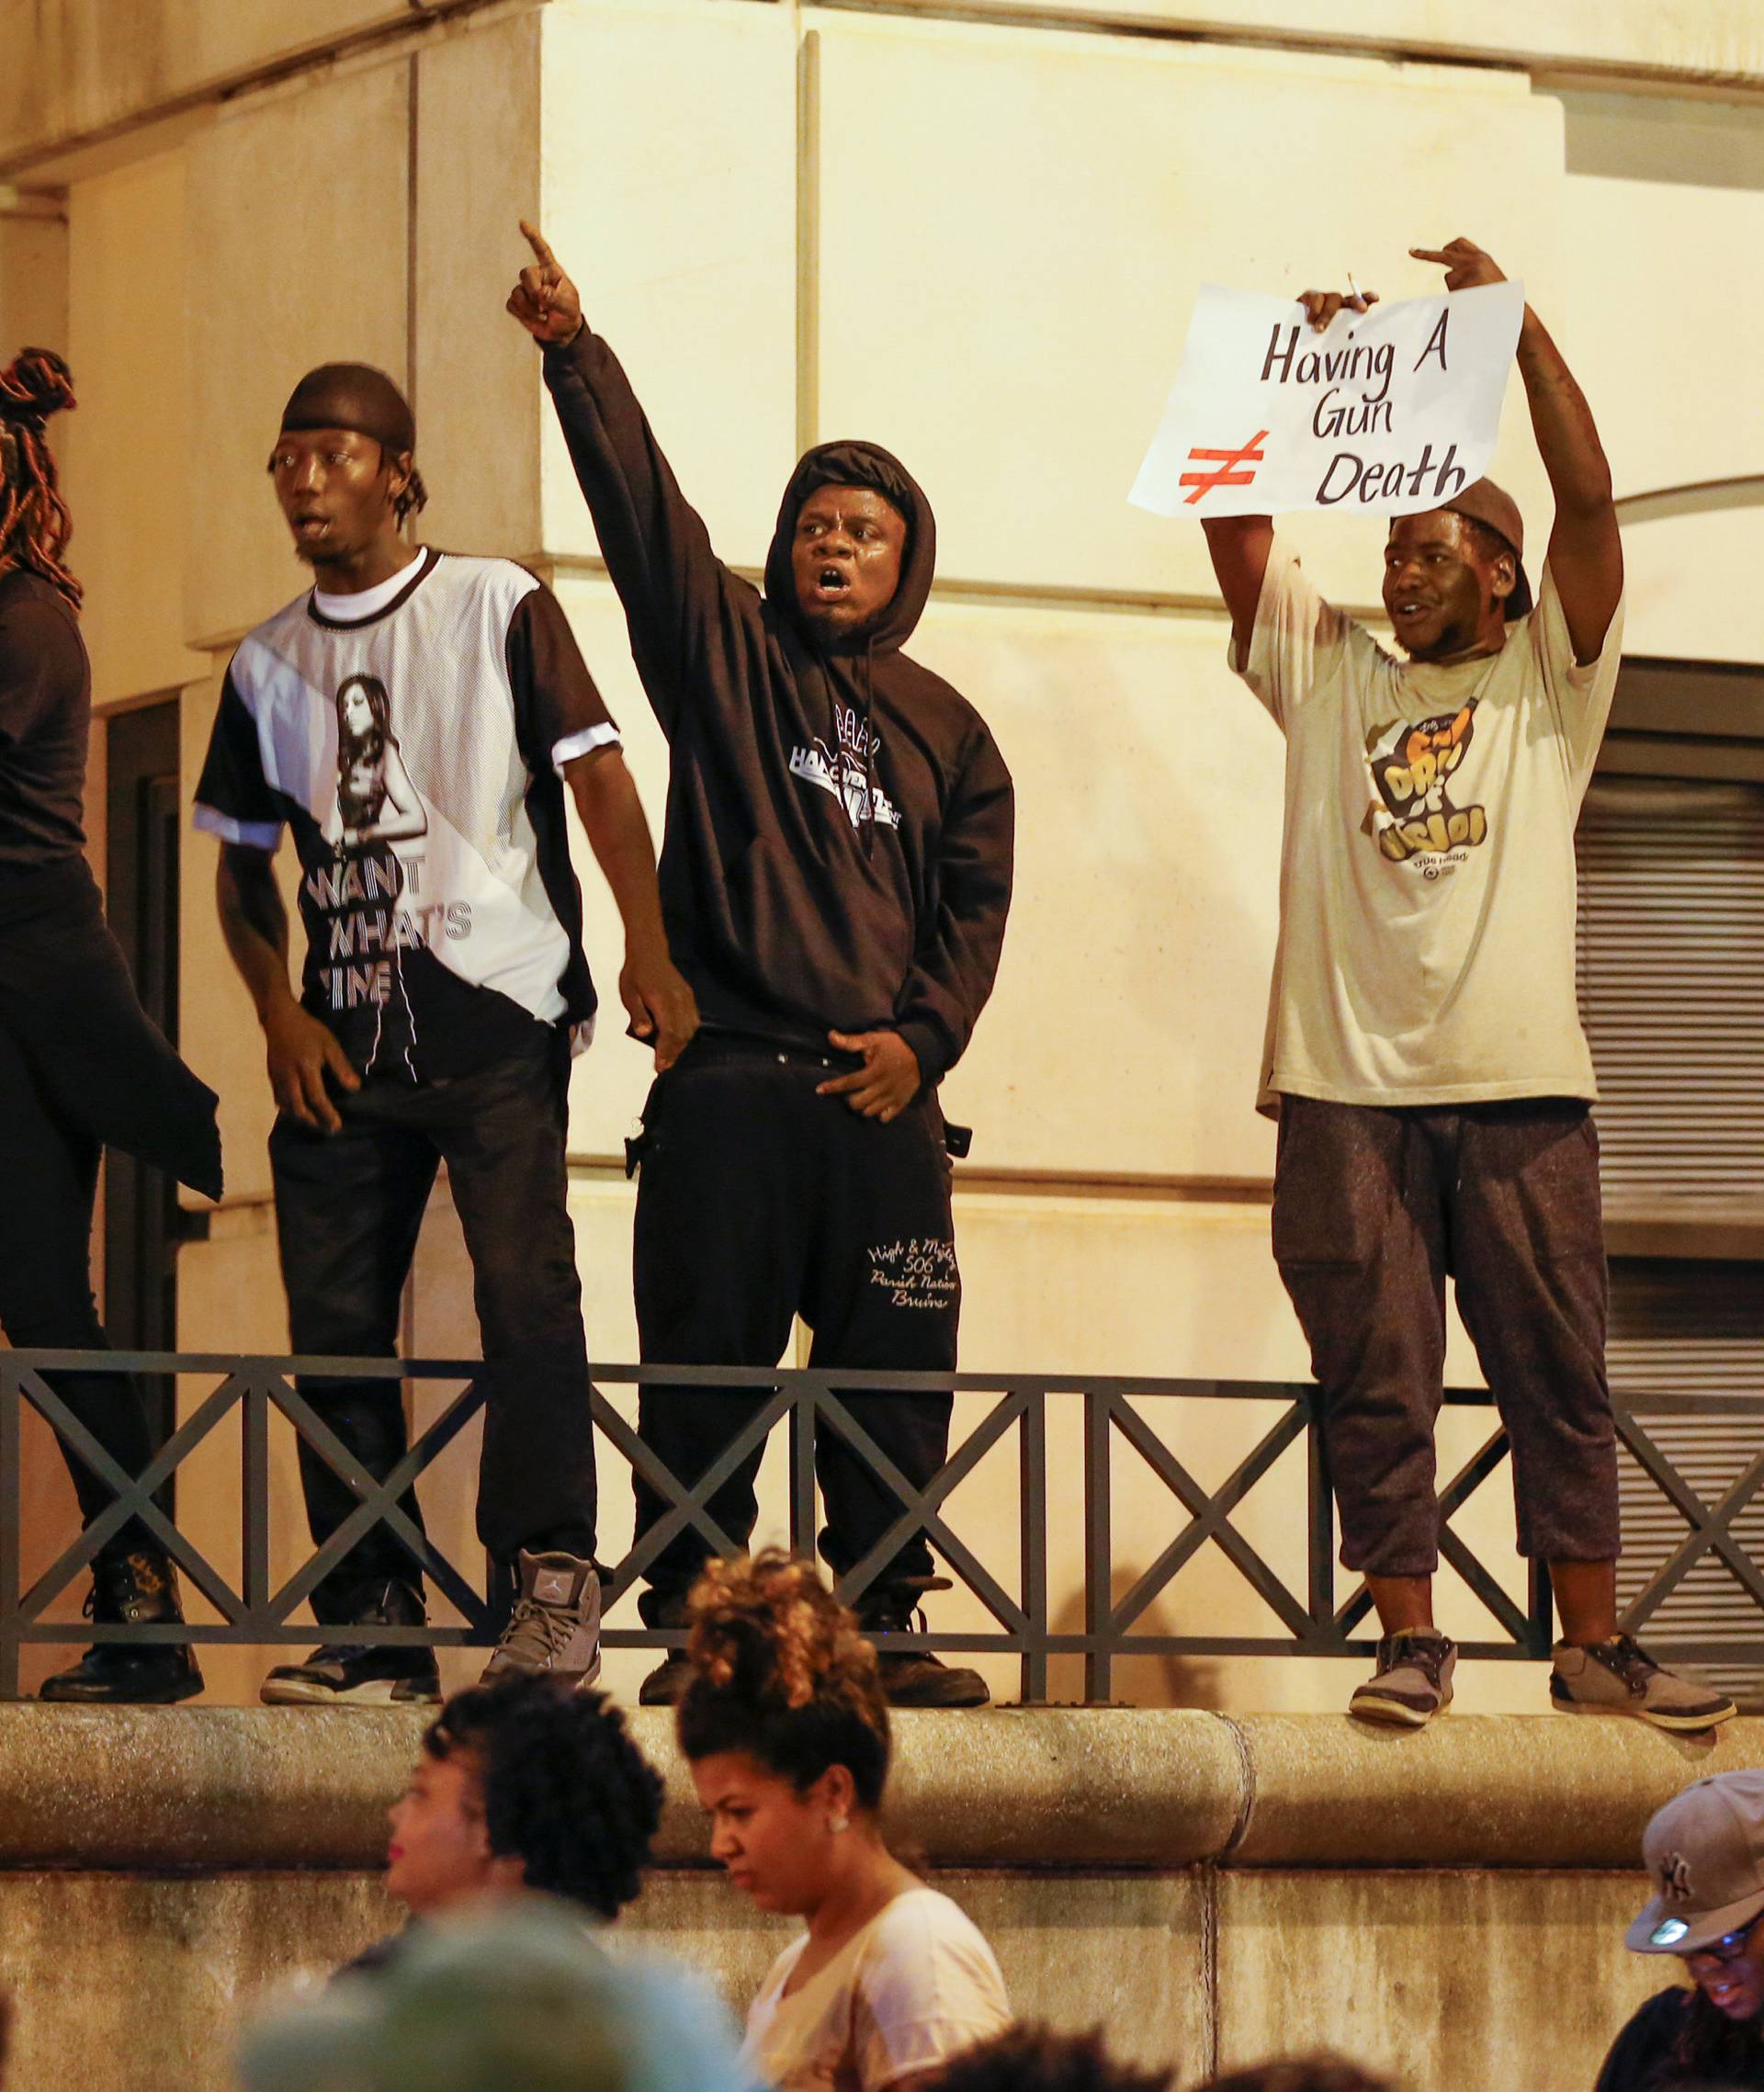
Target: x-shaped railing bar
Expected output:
[920,1507]
[810,1401]
[1711,1526]
[379,1503]
[1209,1517]
[689,1504]
[132,1498]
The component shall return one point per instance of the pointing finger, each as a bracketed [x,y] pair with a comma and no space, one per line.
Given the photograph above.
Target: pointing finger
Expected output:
[536,240]
[1439,254]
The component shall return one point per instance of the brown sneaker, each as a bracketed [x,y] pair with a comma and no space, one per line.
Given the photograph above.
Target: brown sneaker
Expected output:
[1619,1677]
[1412,1683]
[554,1630]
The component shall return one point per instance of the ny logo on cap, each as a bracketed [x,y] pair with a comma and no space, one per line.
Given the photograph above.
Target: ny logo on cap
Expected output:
[1675,1878]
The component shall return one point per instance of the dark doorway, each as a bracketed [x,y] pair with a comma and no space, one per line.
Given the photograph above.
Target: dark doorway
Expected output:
[140,1213]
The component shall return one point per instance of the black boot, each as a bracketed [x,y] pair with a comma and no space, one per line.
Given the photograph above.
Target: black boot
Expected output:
[137,1586]
[666,1684]
[914,1678]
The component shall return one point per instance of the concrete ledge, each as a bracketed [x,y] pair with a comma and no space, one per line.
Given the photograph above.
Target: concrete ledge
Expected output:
[173,1790]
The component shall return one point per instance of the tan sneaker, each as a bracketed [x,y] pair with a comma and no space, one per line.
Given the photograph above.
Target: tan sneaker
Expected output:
[554,1630]
[1412,1683]
[1619,1677]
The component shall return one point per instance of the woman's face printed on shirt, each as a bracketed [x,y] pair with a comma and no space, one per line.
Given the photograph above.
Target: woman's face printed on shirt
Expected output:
[773,1840]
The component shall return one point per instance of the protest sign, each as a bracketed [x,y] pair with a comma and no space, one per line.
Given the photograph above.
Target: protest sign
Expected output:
[1386,411]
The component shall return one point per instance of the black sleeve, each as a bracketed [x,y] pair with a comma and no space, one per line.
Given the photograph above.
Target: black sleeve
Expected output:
[41,666]
[677,592]
[1643,2046]
[558,711]
[234,799]
[957,959]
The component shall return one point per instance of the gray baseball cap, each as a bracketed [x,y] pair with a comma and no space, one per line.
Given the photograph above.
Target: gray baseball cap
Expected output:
[1704,1852]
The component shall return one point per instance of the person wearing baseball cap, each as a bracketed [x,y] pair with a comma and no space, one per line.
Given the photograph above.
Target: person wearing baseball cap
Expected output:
[1425,1056]
[1705,1853]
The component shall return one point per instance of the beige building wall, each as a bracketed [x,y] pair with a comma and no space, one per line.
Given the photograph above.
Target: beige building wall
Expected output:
[976,239]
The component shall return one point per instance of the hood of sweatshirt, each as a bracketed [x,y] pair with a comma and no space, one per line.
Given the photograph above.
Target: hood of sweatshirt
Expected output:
[854,464]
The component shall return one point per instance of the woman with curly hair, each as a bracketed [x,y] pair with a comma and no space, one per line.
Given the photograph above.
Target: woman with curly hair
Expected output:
[521,1786]
[786,1728]
[81,1064]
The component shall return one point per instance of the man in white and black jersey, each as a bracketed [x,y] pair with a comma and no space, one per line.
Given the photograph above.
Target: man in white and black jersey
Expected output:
[412,719]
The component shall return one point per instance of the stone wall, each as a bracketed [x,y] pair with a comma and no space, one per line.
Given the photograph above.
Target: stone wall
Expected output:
[1449,1906]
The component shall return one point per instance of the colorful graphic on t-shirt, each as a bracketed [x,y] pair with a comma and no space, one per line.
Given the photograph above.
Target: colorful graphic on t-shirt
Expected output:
[1412,765]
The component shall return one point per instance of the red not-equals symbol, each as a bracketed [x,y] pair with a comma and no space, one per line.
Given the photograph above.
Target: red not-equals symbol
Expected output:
[1224,460]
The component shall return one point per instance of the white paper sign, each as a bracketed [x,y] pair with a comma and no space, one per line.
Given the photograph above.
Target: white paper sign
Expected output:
[1385,413]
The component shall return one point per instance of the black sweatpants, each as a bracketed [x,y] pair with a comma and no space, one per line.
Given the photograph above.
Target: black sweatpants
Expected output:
[348,1209]
[50,1170]
[1372,1209]
[757,1200]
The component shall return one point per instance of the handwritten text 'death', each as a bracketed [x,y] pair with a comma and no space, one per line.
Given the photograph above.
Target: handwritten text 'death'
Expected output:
[1391,411]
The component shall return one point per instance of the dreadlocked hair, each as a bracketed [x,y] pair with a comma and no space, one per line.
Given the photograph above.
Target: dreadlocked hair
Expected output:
[784,1676]
[34,523]
[566,1790]
[1030,2058]
[414,497]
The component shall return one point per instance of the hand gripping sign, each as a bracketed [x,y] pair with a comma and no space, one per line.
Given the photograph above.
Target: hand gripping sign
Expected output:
[1388,412]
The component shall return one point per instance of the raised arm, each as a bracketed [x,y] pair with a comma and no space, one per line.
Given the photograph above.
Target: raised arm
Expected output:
[1239,546]
[1585,552]
[655,544]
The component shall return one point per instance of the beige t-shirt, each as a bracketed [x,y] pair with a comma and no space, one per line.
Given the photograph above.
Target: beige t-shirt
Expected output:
[1427,874]
[917,1984]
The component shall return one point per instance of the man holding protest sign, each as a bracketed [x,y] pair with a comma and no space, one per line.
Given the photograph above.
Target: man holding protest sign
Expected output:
[1425,1055]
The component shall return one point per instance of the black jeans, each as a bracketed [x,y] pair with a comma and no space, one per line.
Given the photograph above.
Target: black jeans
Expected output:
[1372,1209]
[49,1170]
[757,1200]
[348,1208]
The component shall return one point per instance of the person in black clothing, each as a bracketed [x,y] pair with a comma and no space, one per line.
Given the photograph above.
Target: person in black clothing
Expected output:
[835,878]
[81,1064]
[415,720]
[521,1787]
[1704,1852]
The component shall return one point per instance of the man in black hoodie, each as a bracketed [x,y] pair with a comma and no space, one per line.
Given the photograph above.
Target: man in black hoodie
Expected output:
[835,878]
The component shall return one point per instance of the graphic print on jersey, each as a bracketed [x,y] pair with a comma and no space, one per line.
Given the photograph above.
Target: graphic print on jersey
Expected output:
[1411,766]
[377,807]
[847,773]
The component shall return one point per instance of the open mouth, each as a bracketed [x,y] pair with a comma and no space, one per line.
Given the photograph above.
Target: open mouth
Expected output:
[831,582]
[307,528]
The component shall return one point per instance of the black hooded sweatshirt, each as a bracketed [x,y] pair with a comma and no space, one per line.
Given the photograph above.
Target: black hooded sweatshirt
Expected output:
[838,850]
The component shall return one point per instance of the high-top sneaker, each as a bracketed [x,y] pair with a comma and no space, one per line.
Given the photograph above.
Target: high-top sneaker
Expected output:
[914,1678]
[350,1674]
[554,1630]
[132,1585]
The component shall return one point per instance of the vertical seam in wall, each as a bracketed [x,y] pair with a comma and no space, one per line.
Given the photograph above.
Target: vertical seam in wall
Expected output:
[807,239]
[410,232]
[1211,1919]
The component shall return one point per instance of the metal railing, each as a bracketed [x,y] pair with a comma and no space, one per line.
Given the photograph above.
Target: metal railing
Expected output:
[1316,1621]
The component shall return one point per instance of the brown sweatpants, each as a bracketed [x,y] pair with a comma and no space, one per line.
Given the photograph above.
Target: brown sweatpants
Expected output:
[1373,1208]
